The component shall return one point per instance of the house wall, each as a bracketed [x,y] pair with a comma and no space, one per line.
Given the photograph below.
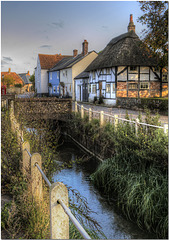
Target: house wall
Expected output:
[80,67]
[38,77]
[66,78]
[44,81]
[54,79]
[101,80]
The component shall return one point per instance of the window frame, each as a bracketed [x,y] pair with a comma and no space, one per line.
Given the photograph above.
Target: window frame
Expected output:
[94,87]
[108,84]
[131,84]
[147,83]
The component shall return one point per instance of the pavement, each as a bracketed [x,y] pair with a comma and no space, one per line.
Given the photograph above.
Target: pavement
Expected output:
[121,112]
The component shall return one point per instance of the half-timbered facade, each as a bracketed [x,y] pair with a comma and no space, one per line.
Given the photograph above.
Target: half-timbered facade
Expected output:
[125,69]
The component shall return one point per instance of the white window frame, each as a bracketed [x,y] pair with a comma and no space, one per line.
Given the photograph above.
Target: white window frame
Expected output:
[133,84]
[58,89]
[50,75]
[54,89]
[94,89]
[108,87]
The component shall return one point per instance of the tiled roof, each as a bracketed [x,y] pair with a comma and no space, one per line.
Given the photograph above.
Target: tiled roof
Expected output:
[25,77]
[48,61]
[15,76]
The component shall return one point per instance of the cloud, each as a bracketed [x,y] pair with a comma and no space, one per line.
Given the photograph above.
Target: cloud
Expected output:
[8,59]
[105,27]
[59,24]
[46,46]
[3,63]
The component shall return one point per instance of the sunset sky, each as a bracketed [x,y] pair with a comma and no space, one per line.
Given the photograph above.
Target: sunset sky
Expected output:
[32,27]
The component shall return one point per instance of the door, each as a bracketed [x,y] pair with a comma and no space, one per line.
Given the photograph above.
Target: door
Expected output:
[85,91]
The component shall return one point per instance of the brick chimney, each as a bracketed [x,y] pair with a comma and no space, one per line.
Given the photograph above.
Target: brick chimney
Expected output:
[28,73]
[131,26]
[75,52]
[85,47]
[9,70]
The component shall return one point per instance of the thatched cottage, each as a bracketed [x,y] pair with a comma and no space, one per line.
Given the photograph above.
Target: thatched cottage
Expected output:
[124,69]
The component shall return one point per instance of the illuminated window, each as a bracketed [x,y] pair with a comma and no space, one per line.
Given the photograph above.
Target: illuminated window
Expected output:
[144,85]
[108,88]
[94,88]
[133,86]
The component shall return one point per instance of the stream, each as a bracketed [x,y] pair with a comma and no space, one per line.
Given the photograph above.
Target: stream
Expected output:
[77,176]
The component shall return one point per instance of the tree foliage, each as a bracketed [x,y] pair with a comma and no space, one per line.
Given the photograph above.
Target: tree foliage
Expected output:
[7,81]
[155,18]
[32,79]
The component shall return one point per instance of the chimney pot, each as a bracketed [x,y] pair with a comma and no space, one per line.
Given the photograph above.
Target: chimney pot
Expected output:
[131,26]
[85,47]
[75,52]
[28,73]
[9,70]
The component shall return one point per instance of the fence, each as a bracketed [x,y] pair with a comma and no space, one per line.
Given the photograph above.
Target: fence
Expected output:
[115,119]
[58,193]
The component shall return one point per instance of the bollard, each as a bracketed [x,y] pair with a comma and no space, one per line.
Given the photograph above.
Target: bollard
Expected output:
[166,128]
[59,221]
[136,125]
[36,177]
[25,158]
[101,118]
[82,111]
[115,121]
[90,114]
[75,107]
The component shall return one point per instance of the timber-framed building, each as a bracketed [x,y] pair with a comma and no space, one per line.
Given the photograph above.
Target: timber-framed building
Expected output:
[125,69]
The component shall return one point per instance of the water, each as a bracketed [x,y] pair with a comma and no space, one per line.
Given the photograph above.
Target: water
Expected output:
[114,225]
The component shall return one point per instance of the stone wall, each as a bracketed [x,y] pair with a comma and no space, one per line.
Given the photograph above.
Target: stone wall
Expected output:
[141,103]
[43,108]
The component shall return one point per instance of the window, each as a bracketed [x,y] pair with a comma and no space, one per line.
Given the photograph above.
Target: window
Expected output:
[113,90]
[133,85]
[54,89]
[58,89]
[133,68]
[94,88]
[144,85]
[108,88]
[89,88]
[66,73]
[57,74]
[93,74]
[107,70]
[165,77]
[50,75]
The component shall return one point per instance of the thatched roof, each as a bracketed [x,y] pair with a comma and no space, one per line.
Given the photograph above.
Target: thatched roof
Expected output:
[124,50]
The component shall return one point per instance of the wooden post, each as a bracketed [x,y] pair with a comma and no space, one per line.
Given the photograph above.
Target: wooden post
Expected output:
[90,114]
[59,221]
[166,128]
[25,157]
[136,126]
[82,111]
[36,177]
[101,118]
[115,121]
[75,107]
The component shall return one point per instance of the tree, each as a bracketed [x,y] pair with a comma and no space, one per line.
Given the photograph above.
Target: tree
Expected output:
[7,81]
[32,79]
[155,18]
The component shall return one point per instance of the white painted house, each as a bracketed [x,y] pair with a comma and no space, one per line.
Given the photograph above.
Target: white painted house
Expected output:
[44,63]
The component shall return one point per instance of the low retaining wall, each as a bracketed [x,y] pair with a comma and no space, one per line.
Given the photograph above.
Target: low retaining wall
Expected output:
[160,104]
[46,108]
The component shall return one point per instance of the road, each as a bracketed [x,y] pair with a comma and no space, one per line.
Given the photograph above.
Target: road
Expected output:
[121,112]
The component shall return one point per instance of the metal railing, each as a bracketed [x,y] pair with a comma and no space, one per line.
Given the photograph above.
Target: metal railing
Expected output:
[115,118]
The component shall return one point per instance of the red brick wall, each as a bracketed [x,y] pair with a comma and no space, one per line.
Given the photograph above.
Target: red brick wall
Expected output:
[132,94]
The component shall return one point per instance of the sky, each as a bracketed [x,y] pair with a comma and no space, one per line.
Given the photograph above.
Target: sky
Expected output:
[54,27]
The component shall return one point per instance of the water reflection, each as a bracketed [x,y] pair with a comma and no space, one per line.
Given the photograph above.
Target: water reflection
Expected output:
[114,225]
